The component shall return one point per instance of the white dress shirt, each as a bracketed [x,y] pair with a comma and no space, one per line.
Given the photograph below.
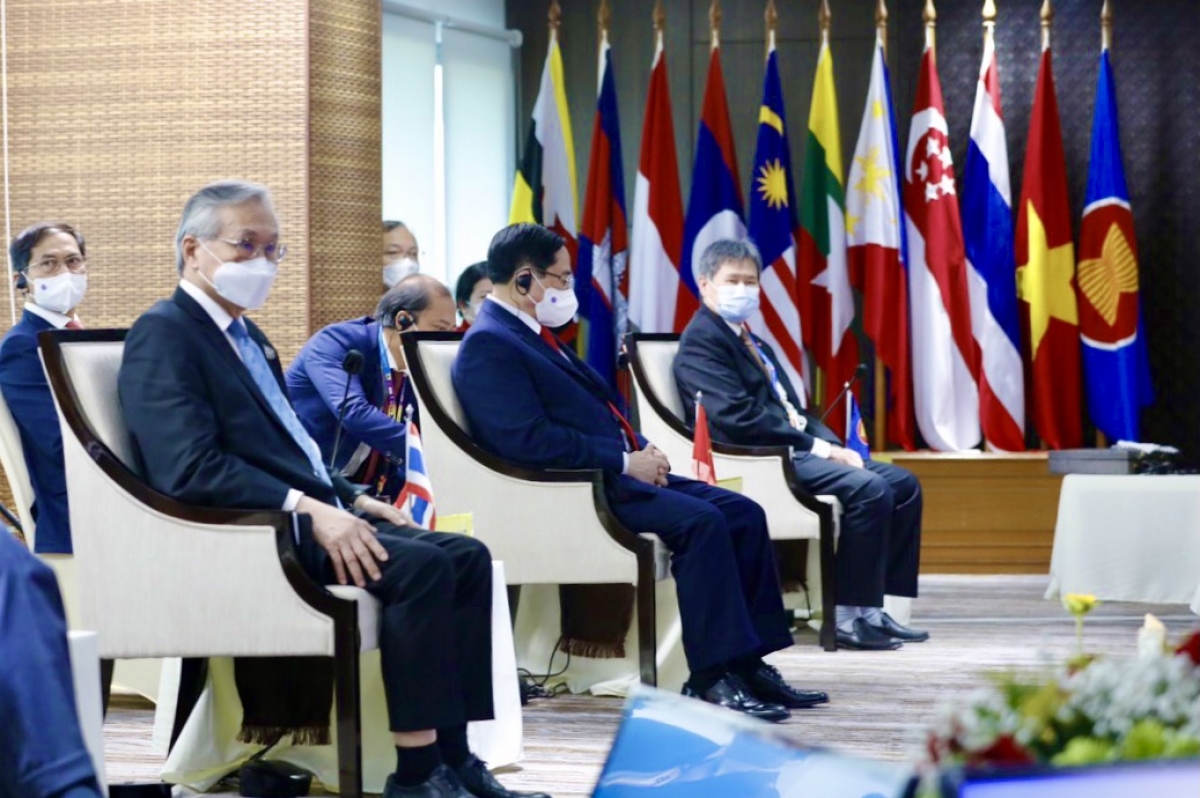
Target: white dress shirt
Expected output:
[59,320]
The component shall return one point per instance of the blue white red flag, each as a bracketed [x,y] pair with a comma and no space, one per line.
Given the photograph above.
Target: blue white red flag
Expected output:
[991,265]
[1116,365]
[417,495]
[856,430]
[602,283]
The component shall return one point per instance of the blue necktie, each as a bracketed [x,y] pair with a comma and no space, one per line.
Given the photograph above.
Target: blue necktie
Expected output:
[264,378]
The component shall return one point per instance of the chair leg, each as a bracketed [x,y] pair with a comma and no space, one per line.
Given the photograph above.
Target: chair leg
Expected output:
[828,634]
[349,712]
[647,631]
[106,677]
[192,678]
[514,600]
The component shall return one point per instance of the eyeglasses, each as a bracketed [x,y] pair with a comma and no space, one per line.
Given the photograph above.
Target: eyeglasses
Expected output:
[76,264]
[567,280]
[248,250]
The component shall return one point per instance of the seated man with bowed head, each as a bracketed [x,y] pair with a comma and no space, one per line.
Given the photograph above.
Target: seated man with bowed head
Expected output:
[49,264]
[472,288]
[203,397]
[750,400]
[530,400]
[372,447]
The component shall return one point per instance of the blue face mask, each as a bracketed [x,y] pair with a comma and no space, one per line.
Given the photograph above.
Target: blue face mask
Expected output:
[736,303]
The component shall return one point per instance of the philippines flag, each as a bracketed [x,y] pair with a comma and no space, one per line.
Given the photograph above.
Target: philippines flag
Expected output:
[992,269]
[715,207]
[945,355]
[1115,360]
[659,300]
[601,283]
[417,494]
[773,227]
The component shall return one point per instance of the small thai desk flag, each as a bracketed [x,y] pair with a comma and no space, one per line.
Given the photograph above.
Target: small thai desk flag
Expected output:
[702,456]
[417,494]
[856,430]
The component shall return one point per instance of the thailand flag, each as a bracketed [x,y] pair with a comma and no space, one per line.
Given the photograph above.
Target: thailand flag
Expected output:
[417,495]
[1115,360]
[659,301]
[988,233]
[715,207]
[601,283]
[945,355]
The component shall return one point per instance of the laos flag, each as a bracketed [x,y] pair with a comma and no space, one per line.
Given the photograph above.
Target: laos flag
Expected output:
[1116,366]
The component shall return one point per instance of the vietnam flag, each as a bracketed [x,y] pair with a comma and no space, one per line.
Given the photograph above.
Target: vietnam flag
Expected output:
[1046,275]
[702,455]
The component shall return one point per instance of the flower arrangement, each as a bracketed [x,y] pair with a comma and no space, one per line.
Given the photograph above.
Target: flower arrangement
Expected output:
[1084,711]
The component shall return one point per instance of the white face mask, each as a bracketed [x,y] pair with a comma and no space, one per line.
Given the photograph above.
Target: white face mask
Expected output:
[61,292]
[736,303]
[245,283]
[557,307]
[397,270]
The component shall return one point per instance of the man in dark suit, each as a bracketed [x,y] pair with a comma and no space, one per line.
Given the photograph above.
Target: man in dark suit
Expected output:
[530,400]
[203,397]
[371,450]
[49,265]
[750,400]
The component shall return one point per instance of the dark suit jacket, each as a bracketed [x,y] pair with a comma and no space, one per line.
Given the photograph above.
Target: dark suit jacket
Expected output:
[23,383]
[202,430]
[316,385]
[741,404]
[530,405]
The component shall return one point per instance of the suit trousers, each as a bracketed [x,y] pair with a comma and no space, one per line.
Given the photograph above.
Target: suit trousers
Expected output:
[879,548]
[724,567]
[435,634]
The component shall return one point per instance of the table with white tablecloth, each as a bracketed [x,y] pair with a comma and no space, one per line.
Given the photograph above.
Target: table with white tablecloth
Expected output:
[1128,538]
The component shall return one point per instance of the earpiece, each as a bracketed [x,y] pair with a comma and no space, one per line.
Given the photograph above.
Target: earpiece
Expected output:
[22,284]
[525,282]
[404,320]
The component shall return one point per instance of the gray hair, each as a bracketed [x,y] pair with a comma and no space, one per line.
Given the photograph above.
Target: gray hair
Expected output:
[200,218]
[412,295]
[726,249]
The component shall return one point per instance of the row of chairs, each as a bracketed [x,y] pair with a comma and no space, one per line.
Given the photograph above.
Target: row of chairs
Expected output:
[157,578]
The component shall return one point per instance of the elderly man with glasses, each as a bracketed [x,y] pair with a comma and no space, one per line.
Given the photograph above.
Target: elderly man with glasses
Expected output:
[49,264]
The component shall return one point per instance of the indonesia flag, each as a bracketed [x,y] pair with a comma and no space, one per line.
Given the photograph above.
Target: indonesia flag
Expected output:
[417,494]
[945,355]
[659,301]
[715,207]
[988,233]
[601,282]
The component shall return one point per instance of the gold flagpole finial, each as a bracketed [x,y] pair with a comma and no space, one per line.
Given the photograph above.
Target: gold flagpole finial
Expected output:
[1106,22]
[989,19]
[604,18]
[881,24]
[771,18]
[660,17]
[825,21]
[714,22]
[1047,15]
[554,17]
[929,15]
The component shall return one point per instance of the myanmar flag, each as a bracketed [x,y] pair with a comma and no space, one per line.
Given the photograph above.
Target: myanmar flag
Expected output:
[823,287]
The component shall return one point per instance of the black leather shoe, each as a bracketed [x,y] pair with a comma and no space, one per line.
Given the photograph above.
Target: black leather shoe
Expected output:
[768,685]
[892,629]
[480,782]
[730,692]
[442,783]
[866,637]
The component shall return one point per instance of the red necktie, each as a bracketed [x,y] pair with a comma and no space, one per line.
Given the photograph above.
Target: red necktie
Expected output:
[626,427]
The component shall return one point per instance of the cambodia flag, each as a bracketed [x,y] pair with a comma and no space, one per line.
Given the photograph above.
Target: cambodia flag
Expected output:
[945,355]
[1114,338]
[715,207]
[601,282]
[988,233]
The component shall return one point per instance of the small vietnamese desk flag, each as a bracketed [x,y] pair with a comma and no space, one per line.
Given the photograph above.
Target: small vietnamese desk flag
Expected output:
[702,456]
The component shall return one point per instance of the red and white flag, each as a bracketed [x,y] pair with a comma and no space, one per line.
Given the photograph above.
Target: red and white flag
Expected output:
[945,354]
[702,456]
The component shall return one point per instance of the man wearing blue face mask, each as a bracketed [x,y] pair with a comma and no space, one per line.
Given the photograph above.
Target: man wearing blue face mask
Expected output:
[49,263]
[751,401]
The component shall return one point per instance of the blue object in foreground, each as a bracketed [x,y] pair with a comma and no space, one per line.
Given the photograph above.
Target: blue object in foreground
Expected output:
[674,747]
[1161,778]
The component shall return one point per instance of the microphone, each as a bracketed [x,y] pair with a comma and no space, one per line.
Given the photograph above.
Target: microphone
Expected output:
[859,373]
[352,363]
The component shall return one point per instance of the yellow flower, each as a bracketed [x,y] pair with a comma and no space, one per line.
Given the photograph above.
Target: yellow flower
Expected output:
[1079,604]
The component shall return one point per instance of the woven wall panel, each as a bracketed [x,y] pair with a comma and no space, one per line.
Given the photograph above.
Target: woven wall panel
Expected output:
[345,177]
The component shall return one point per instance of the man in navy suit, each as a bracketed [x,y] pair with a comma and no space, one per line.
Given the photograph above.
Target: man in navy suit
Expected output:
[750,400]
[203,398]
[371,449]
[49,264]
[530,400]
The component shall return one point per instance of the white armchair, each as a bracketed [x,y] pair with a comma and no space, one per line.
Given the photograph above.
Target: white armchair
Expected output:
[766,472]
[534,544]
[158,578]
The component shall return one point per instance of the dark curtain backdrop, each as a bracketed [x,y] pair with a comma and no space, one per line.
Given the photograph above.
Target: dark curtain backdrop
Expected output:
[1157,67]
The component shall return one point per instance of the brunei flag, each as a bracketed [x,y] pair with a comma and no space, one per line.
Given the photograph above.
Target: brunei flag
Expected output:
[826,303]
[545,190]
[1045,258]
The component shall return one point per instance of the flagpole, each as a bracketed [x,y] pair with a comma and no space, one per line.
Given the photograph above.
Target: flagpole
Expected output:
[989,21]
[929,15]
[714,23]
[824,22]
[881,27]
[660,24]
[1047,15]
[771,18]
[1106,22]
[603,19]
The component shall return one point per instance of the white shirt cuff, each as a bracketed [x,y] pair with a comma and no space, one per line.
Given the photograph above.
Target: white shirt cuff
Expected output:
[624,462]
[293,498]
[822,448]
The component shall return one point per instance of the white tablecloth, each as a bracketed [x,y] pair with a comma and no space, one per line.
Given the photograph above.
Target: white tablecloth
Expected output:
[1128,538]
[208,748]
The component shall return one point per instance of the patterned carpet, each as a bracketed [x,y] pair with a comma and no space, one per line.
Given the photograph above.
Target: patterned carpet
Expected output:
[880,702]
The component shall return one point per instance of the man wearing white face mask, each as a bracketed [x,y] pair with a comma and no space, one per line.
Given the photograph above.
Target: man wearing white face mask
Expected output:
[750,401]
[49,263]
[401,255]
